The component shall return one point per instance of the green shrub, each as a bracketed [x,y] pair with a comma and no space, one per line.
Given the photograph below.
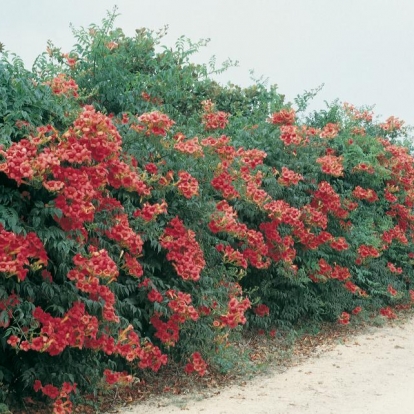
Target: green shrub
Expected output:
[146,212]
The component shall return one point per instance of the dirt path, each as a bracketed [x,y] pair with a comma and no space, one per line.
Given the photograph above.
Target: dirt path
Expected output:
[372,373]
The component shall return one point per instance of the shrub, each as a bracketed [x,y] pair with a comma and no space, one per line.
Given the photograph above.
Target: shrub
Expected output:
[146,212]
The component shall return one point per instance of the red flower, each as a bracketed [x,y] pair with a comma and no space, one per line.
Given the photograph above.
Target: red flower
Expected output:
[365,194]
[37,385]
[196,365]
[329,131]
[111,45]
[51,391]
[184,252]
[155,296]
[62,85]
[187,185]
[392,124]
[344,318]
[13,341]
[331,165]
[339,244]
[191,146]
[393,268]
[112,377]
[283,117]
[154,123]
[151,168]
[388,313]
[261,310]
[289,177]
[356,310]
[232,256]
[215,120]
[392,291]
[291,135]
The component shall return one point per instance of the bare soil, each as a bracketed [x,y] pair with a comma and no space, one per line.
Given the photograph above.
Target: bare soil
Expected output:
[369,373]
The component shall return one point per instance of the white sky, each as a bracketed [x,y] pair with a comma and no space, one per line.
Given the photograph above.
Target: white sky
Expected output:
[362,50]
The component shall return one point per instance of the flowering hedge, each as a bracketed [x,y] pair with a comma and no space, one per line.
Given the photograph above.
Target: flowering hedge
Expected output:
[154,213]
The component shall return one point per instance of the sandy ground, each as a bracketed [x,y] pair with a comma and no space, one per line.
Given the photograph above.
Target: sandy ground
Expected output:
[372,373]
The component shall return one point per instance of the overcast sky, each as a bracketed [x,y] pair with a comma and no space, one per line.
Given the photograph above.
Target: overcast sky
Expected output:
[362,50]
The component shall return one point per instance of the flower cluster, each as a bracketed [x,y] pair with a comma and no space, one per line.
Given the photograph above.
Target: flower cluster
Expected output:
[313,217]
[224,220]
[281,212]
[155,296]
[70,61]
[180,304]
[62,85]
[18,160]
[150,212]
[289,177]
[235,314]
[392,124]
[112,377]
[353,288]
[327,200]
[392,291]
[132,266]
[223,183]
[57,334]
[187,185]
[279,248]
[153,99]
[395,233]
[393,269]
[232,256]
[220,142]
[111,45]
[96,133]
[344,318]
[212,119]
[329,131]
[183,250]
[153,123]
[254,193]
[390,196]
[365,252]
[283,117]
[124,235]
[388,313]
[364,167]
[356,310]
[261,310]
[121,175]
[291,135]
[328,272]
[365,194]
[19,254]
[167,332]
[62,404]
[331,165]
[197,364]
[339,244]
[251,158]
[191,147]
[88,273]
[208,105]
[358,131]
[357,114]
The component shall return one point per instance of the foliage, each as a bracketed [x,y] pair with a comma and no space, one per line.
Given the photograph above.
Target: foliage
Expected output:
[147,213]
